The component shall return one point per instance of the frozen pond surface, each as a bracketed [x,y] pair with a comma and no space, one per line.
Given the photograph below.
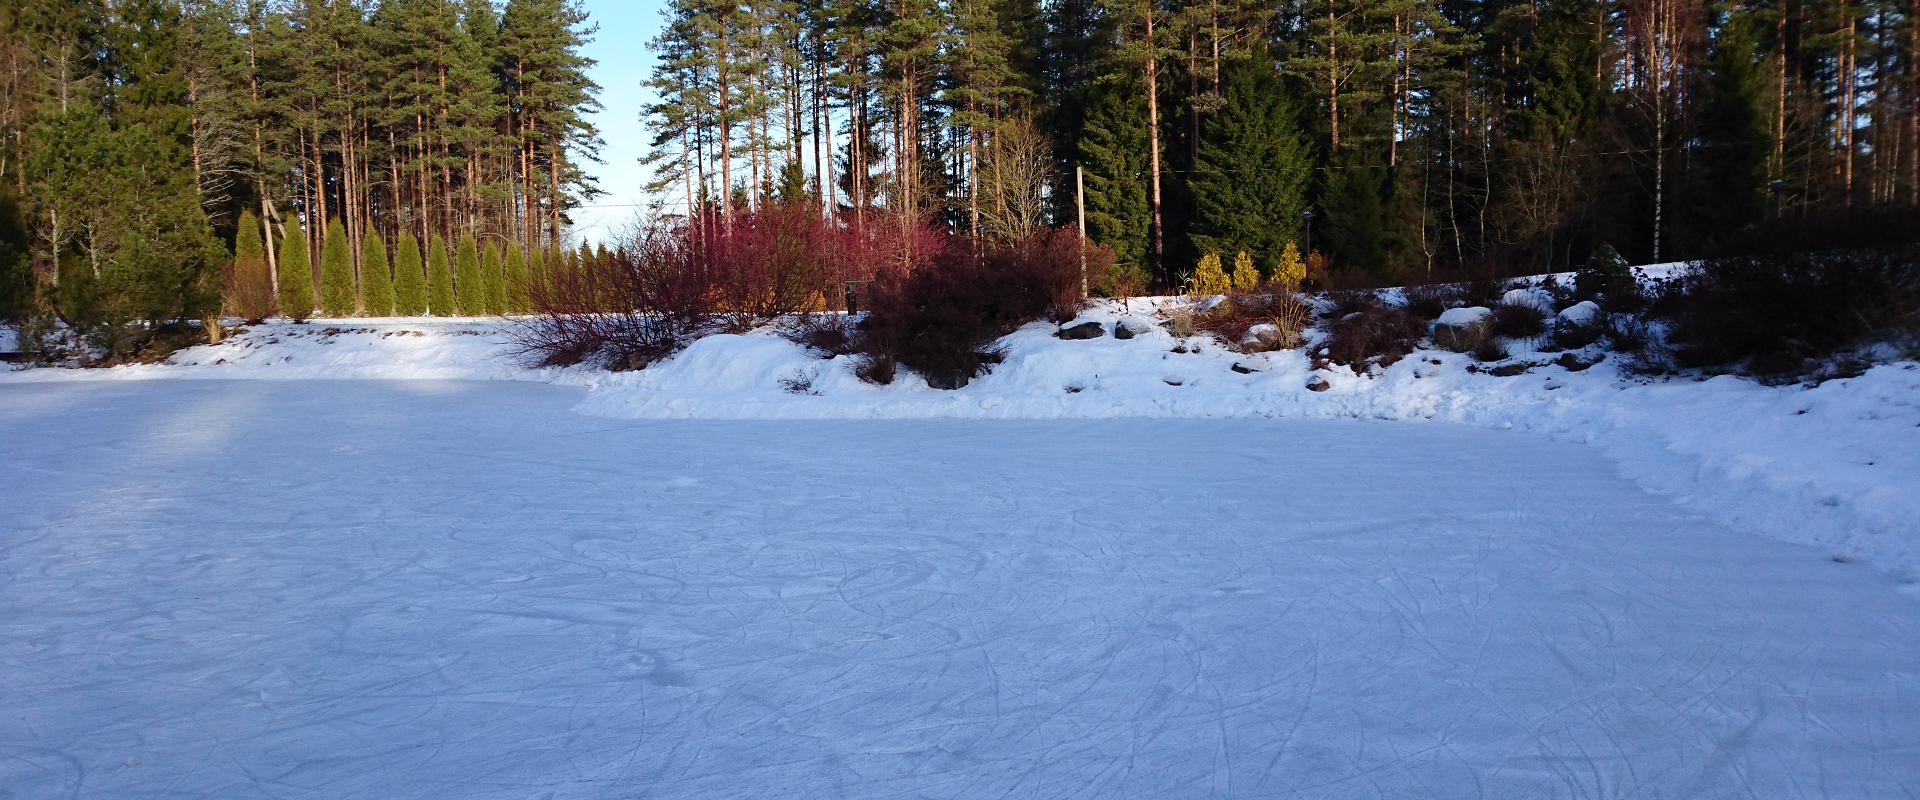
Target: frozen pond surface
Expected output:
[464,590]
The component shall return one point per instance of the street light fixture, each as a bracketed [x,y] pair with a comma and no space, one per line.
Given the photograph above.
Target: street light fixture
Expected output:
[1308,217]
[1779,187]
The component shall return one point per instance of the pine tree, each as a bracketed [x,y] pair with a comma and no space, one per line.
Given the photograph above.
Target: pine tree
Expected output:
[469,282]
[494,279]
[439,278]
[296,274]
[250,289]
[409,277]
[1250,181]
[336,273]
[515,278]
[1208,278]
[376,280]
[1246,276]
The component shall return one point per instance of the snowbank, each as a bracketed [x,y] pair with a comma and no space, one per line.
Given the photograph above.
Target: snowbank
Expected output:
[1835,466]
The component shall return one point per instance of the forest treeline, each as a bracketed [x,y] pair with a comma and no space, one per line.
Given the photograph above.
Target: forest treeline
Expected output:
[138,138]
[1422,135]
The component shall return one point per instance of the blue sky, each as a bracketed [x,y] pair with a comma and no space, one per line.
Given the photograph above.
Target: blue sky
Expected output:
[620,47]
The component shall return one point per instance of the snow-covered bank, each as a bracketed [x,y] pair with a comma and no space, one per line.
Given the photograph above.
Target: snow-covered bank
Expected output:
[1835,466]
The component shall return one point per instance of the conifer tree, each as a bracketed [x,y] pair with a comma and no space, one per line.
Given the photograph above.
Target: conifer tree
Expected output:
[336,273]
[1113,148]
[494,280]
[296,274]
[1246,277]
[1209,278]
[469,282]
[376,280]
[409,277]
[439,278]
[1250,181]
[1291,268]
[1354,216]
[515,280]
[250,289]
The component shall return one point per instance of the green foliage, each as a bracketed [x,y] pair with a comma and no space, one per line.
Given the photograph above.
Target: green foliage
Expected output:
[296,273]
[515,278]
[17,291]
[494,280]
[1354,218]
[409,277]
[336,273]
[1605,275]
[376,280]
[1727,179]
[469,283]
[1209,278]
[1251,175]
[1113,147]
[439,278]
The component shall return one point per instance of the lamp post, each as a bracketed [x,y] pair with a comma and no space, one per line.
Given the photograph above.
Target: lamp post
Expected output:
[1779,188]
[1307,216]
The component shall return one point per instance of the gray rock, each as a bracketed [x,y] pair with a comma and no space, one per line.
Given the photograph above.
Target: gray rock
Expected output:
[1127,329]
[1084,330]
[1244,368]
[950,379]
[1463,329]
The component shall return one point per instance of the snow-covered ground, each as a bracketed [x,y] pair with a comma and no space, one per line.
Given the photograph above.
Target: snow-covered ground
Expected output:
[1835,466]
[429,588]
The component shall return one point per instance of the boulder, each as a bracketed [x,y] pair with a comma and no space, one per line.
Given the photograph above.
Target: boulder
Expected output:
[1584,312]
[1528,298]
[1127,329]
[1084,330]
[1463,329]
[949,379]
[1318,384]
[1267,336]
[1574,363]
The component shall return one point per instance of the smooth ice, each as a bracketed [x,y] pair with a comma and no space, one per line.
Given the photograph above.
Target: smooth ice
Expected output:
[464,590]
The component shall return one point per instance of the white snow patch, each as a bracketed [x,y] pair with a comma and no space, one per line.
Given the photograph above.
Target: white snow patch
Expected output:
[1464,316]
[1832,466]
[1581,313]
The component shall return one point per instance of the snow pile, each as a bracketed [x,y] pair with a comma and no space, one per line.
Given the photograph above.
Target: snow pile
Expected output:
[1832,466]
[344,349]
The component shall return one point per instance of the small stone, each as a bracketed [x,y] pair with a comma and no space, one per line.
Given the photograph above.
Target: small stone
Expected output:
[1242,368]
[1318,384]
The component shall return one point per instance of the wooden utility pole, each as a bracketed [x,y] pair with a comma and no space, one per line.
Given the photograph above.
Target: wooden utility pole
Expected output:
[1080,209]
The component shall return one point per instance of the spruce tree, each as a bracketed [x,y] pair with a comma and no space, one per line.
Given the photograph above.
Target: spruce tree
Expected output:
[296,274]
[409,277]
[1354,216]
[514,276]
[494,280]
[1725,186]
[1113,147]
[336,273]
[1250,179]
[469,283]
[439,278]
[376,280]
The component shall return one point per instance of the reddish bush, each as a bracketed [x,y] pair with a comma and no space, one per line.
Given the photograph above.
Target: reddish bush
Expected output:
[941,319]
[1376,335]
